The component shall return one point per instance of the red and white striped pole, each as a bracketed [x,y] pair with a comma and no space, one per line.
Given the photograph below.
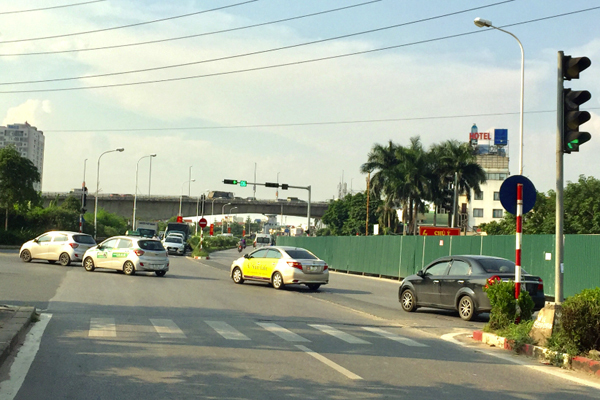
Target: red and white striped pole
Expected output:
[519,236]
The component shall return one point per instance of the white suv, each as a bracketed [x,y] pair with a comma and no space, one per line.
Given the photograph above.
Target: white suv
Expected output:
[62,246]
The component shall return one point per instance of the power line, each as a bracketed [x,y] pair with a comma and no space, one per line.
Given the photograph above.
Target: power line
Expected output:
[193,36]
[251,53]
[283,64]
[51,7]
[284,125]
[127,26]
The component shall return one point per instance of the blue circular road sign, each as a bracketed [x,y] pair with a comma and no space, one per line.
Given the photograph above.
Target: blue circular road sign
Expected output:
[508,194]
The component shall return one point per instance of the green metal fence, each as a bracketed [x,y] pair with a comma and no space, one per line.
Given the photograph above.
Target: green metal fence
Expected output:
[400,256]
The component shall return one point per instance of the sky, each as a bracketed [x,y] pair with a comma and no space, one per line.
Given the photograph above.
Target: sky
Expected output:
[307,114]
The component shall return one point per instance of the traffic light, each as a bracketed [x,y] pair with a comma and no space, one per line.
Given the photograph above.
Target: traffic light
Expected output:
[243,183]
[83,200]
[230,181]
[572,99]
[448,200]
[271,184]
[284,186]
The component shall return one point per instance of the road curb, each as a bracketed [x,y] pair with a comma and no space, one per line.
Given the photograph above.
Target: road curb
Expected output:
[12,329]
[201,258]
[541,354]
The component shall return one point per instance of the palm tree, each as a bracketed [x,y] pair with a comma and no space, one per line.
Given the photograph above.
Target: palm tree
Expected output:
[457,159]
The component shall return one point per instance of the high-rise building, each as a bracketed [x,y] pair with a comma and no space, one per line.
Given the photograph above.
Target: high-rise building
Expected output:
[492,155]
[28,141]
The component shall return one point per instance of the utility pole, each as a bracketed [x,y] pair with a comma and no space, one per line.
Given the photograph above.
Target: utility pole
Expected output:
[368,185]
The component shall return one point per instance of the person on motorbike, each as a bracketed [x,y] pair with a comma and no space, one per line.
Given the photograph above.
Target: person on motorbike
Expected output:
[243,241]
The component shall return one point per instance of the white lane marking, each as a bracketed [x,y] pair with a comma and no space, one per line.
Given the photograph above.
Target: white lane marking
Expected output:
[394,337]
[346,337]
[102,327]
[227,331]
[547,369]
[166,328]
[329,363]
[24,358]
[282,332]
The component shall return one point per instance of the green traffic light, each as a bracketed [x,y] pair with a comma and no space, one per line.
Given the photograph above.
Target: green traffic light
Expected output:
[243,183]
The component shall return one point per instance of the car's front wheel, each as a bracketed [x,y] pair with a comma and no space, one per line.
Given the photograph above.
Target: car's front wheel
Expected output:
[408,301]
[466,308]
[237,275]
[64,260]
[88,264]
[25,256]
[128,268]
[278,281]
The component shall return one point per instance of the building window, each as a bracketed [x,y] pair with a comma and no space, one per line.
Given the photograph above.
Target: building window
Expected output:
[478,196]
[497,196]
[497,213]
[478,212]
[496,176]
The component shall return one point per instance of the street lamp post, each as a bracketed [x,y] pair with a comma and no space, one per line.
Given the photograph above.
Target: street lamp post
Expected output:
[97,189]
[181,196]
[136,187]
[480,22]
[222,215]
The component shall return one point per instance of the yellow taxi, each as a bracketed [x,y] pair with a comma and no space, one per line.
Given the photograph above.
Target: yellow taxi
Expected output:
[281,266]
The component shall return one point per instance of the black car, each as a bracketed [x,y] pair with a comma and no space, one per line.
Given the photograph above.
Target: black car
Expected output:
[456,283]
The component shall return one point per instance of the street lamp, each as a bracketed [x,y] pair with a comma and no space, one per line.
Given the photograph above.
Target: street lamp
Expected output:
[136,187]
[181,196]
[97,186]
[484,23]
[222,215]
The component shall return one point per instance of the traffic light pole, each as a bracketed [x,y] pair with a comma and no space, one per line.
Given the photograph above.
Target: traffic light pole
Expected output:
[560,211]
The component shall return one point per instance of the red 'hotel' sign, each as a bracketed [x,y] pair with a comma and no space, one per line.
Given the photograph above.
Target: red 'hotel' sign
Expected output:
[437,231]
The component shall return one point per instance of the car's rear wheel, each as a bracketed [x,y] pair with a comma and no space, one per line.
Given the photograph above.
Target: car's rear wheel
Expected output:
[278,281]
[237,275]
[88,264]
[25,256]
[314,286]
[160,273]
[408,301]
[64,260]
[466,308]
[128,268]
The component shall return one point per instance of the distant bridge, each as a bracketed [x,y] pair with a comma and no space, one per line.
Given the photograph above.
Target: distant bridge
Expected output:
[161,208]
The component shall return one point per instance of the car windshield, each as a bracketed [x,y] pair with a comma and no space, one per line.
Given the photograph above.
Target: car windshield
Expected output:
[150,245]
[498,265]
[301,254]
[84,239]
[146,232]
[173,239]
[263,240]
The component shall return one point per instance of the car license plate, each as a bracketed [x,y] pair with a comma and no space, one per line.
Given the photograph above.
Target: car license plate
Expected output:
[313,268]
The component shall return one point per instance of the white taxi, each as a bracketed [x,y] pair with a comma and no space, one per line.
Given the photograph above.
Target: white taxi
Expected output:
[281,266]
[128,254]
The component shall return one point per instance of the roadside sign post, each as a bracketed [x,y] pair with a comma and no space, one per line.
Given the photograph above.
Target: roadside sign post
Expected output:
[518,195]
[202,222]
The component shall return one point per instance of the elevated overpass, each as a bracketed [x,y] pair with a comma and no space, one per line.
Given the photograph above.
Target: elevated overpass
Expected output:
[161,208]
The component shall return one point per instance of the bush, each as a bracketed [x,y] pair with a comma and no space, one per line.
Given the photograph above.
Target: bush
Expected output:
[579,330]
[504,305]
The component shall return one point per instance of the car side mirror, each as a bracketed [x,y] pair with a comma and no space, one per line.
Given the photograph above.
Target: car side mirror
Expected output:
[421,273]
[247,255]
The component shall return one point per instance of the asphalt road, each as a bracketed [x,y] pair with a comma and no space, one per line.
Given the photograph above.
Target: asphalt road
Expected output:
[195,334]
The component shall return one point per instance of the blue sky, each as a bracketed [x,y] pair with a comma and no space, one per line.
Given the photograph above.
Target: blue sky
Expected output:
[436,89]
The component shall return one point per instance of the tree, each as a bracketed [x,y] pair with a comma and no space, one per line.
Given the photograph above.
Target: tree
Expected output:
[348,216]
[582,206]
[17,176]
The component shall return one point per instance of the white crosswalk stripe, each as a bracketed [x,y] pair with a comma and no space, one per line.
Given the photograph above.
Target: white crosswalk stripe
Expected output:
[346,337]
[166,328]
[227,331]
[394,337]
[282,332]
[102,327]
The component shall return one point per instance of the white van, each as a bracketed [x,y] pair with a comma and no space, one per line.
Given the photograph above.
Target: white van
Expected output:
[263,239]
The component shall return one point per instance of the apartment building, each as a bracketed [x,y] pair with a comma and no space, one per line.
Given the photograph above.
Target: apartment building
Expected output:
[28,141]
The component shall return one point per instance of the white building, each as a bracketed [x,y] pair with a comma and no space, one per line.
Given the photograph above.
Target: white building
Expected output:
[493,157]
[28,141]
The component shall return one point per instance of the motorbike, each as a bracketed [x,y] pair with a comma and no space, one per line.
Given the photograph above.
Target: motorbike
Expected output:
[240,248]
